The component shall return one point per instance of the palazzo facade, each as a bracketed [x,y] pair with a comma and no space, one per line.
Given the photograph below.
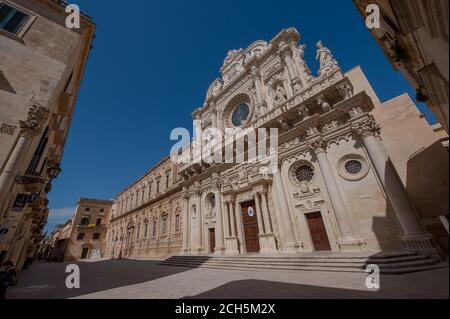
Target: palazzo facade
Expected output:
[336,187]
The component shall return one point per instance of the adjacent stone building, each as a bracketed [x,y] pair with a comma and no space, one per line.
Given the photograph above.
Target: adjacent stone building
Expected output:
[85,238]
[41,66]
[340,177]
[414,36]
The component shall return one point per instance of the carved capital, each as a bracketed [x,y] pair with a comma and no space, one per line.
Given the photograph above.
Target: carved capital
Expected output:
[318,145]
[36,118]
[367,127]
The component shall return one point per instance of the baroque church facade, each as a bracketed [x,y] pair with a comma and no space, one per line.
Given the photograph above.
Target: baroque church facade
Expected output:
[337,187]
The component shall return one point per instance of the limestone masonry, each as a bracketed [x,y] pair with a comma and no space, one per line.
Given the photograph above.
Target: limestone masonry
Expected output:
[343,177]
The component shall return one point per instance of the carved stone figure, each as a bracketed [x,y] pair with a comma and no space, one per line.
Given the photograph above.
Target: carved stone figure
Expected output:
[216,88]
[326,107]
[280,94]
[304,70]
[346,91]
[326,59]
[304,112]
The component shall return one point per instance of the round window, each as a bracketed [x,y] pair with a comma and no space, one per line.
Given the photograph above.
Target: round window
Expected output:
[353,167]
[240,114]
[304,173]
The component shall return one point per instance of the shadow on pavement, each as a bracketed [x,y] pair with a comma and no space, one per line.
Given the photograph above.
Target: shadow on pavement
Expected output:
[47,280]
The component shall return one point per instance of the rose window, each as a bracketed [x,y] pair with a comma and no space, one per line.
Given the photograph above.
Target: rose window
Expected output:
[304,173]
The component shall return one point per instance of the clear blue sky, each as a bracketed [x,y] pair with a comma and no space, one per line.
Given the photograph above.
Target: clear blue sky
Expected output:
[152,63]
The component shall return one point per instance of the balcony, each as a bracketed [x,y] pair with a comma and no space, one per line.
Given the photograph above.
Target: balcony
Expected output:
[91,226]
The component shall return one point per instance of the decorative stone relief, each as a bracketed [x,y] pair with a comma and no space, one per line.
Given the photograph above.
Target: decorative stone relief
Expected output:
[37,116]
[8,129]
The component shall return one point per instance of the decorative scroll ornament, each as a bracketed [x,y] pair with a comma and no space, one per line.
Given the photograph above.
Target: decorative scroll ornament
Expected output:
[37,116]
[367,127]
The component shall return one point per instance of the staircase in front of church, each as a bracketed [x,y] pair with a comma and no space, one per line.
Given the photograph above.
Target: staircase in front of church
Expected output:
[389,262]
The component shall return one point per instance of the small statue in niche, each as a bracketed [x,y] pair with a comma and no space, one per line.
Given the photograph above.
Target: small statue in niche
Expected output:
[280,94]
[326,107]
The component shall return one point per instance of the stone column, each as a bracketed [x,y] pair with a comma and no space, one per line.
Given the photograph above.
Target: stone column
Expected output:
[406,215]
[213,115]
[220,243]
[287,236]
[32,127]
[286,53]
[198,223]
[185,223]
[239,225]
[265,211]
[227,220]
[259,215]
[286,56]
[337,202]
[232,220]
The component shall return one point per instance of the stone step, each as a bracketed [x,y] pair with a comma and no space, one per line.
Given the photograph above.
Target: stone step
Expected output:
[302,260]
[389,263]
[384,255]
[252,265]
[359,266]
[238,267]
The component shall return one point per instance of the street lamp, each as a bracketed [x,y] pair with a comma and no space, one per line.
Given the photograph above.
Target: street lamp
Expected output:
[52,172]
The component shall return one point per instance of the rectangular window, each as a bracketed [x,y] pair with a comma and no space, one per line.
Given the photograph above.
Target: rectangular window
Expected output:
[154,229]
[96,236]
[146,230]
[33,167]
[167,181]
[80,236]
[177,223]
[99,222]
[84,221]
[157,187]
[164,226]
[11,19]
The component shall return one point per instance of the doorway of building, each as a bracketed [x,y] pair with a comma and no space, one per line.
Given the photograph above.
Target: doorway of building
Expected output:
[251,230]
[84,253]
[318,232]
[212,240]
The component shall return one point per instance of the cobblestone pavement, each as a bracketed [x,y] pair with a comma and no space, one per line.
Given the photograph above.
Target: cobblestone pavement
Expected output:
[147,280]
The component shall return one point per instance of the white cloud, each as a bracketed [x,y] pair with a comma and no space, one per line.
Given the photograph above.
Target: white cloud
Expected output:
[58,216]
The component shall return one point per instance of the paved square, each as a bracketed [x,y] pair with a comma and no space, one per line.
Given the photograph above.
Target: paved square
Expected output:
[132,279]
